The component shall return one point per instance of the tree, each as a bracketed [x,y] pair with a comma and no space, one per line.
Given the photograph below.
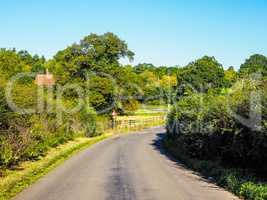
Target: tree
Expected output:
[168,86]
[11,63]
[36,63]
[95,60]
[230,76]
[150,86]
[101,93]
[254,64]
[201,75]
[142,67]
[97,53]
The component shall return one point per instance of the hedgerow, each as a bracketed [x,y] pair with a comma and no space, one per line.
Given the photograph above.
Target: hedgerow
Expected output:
[215,128]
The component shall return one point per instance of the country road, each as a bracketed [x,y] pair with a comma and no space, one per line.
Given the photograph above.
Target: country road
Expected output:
[125,167]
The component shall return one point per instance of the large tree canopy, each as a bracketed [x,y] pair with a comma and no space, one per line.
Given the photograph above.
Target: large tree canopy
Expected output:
[254,64]
[94,53]
[94,62]
[202,74]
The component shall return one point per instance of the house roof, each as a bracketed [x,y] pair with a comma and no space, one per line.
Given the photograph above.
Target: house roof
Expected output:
[46,79]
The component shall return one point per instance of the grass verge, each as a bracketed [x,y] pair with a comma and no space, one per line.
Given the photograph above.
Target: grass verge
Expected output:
[238,181]
[137,127]
[29,172]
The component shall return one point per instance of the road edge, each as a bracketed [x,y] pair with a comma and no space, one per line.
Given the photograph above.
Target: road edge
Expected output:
[30,172]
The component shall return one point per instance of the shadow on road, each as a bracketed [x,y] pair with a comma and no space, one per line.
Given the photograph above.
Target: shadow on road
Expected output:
[157,144]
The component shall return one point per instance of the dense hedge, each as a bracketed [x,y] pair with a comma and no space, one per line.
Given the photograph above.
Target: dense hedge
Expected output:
[209,125]
[28,136]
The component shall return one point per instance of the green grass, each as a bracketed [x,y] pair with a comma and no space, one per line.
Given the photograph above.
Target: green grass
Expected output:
[138,122]
[138,127]
[151,110]
[147,106]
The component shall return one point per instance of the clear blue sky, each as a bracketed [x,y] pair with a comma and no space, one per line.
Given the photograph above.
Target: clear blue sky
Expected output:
[163,32]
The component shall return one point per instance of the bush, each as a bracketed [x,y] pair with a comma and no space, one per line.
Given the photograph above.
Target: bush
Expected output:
[6,155]
[207,127]
[88,120]
[204,132]
[252,191]
[29,136]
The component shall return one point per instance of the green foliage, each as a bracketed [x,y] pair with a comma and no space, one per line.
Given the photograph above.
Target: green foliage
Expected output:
[158,71]
[94,53]
[93,65]
[28,136]
[252,191]
[232,182]
[144,67]
[237,181]
[35,62]
[201,75]
[94,62]
[88,121]
[254,64]
[11,63]
[101,92]
[230,76]
[6,155]
[202,124]
[130,105]
[207,125]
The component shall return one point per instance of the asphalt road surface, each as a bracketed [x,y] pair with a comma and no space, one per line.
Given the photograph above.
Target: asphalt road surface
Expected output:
[124,168]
